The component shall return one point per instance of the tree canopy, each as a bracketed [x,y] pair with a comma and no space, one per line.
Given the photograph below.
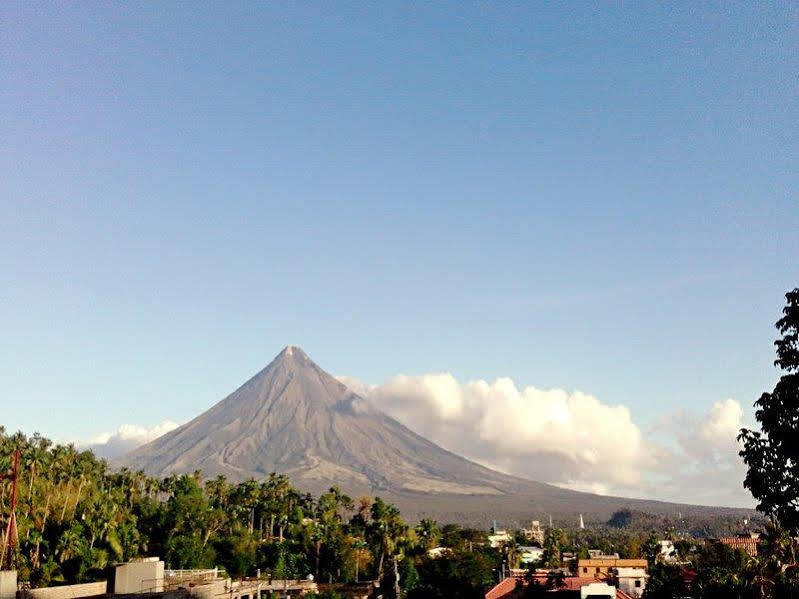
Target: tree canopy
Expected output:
[772,453]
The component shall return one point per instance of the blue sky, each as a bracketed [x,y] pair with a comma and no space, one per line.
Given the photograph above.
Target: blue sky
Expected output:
[591,197]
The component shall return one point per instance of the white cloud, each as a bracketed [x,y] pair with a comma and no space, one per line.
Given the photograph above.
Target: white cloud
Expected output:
[127,438]
[703,457]
[571,438]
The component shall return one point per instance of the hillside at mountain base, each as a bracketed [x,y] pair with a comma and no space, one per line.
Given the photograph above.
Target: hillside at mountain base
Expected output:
[294,418]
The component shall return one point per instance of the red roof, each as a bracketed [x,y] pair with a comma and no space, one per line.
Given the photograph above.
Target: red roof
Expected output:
[575,583]
[506,588]
[503,589]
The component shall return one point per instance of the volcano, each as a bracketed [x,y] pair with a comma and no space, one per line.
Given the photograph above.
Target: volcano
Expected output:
[294,418]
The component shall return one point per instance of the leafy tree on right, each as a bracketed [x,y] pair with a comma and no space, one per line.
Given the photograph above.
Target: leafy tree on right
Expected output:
[772,454]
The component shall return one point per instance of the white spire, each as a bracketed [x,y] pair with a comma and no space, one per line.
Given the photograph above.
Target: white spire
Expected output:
[582,524]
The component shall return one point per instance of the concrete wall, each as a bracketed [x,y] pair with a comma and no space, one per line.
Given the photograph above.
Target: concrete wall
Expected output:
[70,591]
[146,576]
[8,584]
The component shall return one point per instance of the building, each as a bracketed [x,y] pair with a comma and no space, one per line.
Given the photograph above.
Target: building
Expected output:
[148,577]
[631,580]
[597,590]
[605,568]
[8,584]
[534,534]
[499,537]
[597,554]
[530,555]
[144,575]
[573,587]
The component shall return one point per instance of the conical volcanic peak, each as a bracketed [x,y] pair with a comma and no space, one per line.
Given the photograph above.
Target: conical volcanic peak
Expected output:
[291,380]
[295,418]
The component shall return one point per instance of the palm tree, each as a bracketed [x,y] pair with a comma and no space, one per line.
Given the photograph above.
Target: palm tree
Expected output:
[428,532]
[359,544]
[385,528]
[70,544]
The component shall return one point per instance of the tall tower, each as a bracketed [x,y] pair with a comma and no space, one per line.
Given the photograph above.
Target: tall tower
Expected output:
[582,524]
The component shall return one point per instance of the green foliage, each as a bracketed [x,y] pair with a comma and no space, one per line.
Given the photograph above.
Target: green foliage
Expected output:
[772,454]
[462,575]
[666,582]
[76,519]
[554,541]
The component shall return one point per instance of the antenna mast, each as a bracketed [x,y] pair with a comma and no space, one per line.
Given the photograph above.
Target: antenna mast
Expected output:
[11,538]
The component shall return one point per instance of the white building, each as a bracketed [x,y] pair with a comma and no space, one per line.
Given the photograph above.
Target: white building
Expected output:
[598,590]
[144,575]
[498,537]
[632,580]
[530,555]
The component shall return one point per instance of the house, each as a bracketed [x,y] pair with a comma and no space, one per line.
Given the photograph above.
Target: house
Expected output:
[504,590]
[631,580]
[605,568]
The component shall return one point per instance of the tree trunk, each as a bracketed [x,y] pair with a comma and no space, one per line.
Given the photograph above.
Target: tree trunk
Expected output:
[396,579]
[77,498]
[30,483]
[66,501]
[46,512]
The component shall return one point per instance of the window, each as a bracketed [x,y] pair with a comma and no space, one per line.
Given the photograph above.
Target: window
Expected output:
[585,570]
[597,570]
[638,584]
